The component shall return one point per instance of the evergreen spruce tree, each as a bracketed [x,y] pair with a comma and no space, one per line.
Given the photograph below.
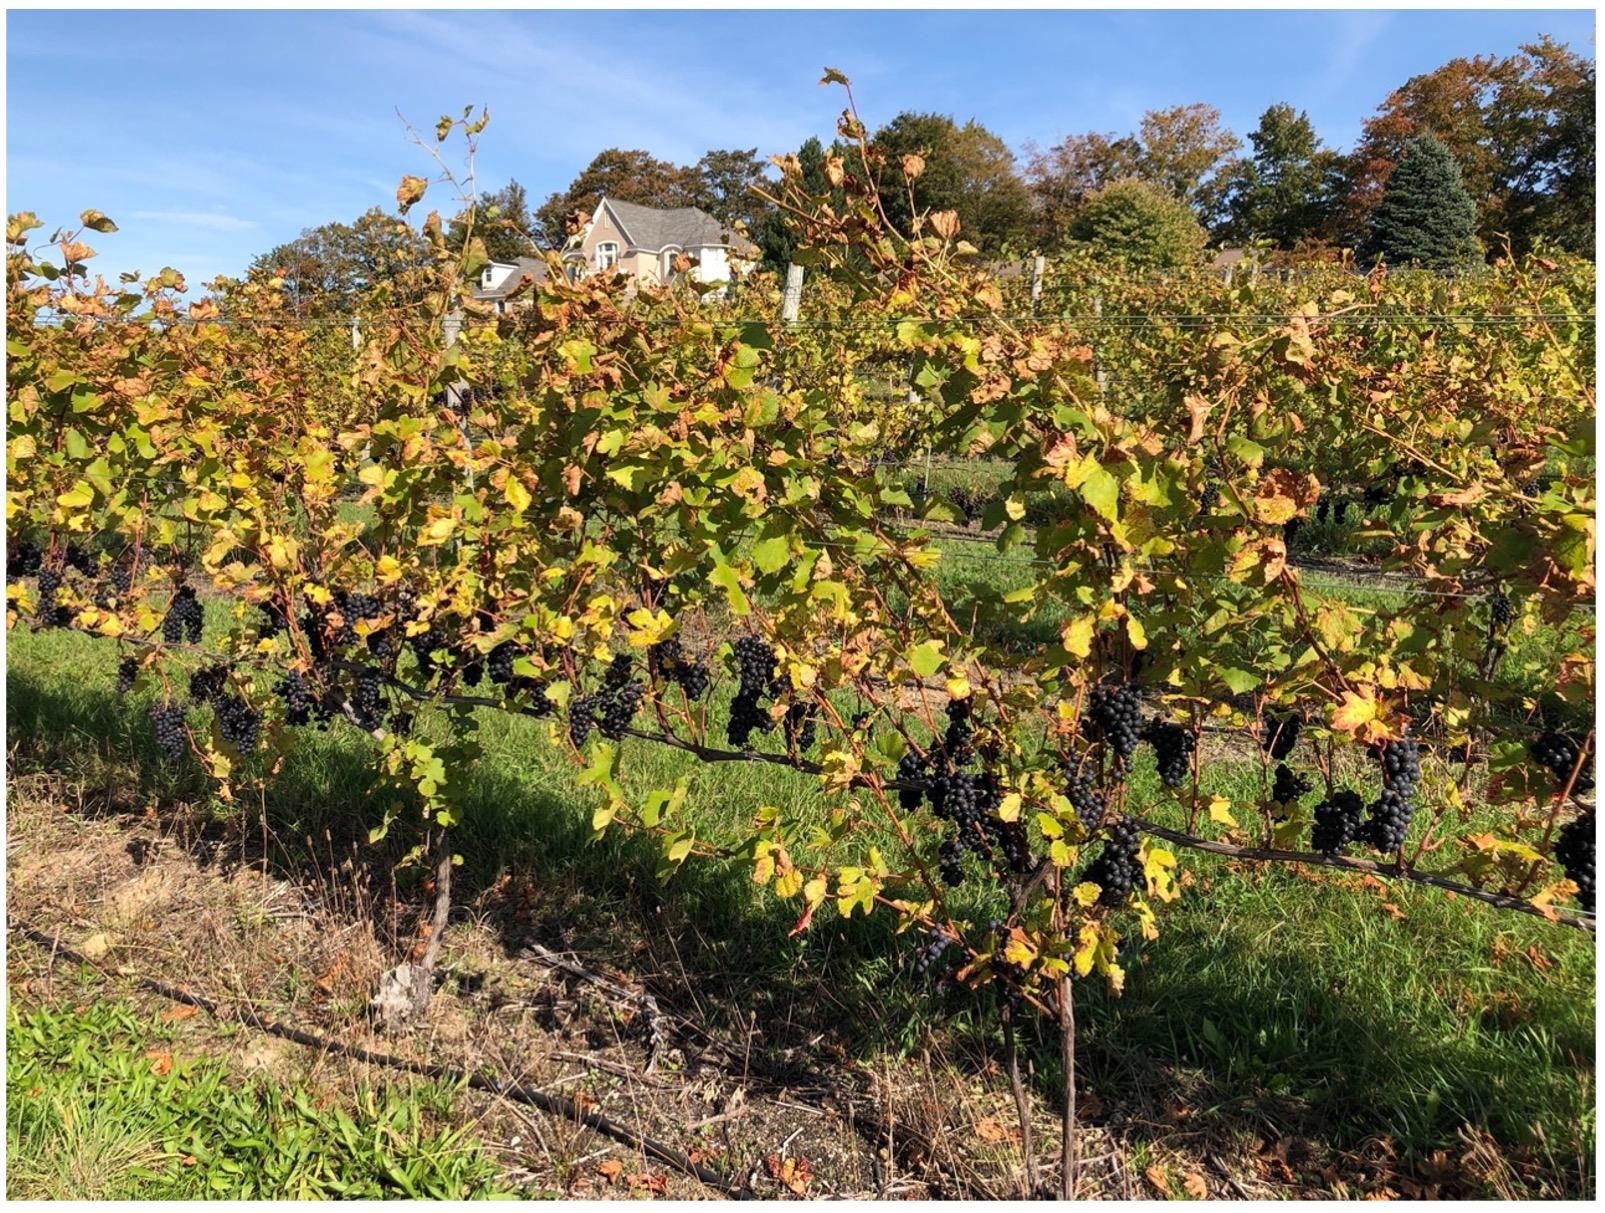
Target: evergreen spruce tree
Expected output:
[1426,217]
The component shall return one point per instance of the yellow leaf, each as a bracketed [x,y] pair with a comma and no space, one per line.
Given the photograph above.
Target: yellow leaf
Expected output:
[958,687]
[1019,950]
[1077,636]
[1009,809]
[1087,948]
[1137,634]
[1220,810]
[1085,893]
[439,530]
[517,495]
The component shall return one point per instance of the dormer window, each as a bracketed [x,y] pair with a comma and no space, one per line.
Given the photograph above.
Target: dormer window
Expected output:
[486,274]
[607,255]
[669,254]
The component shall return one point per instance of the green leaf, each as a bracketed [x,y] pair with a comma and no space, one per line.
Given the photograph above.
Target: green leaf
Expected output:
[772,553]
[1101,491]
[728,579]
[926,658]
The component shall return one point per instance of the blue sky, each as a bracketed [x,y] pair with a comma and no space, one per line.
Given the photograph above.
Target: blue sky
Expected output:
[210,137]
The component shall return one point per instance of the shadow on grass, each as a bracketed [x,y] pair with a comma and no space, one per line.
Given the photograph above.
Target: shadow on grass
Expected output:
[1330,1030]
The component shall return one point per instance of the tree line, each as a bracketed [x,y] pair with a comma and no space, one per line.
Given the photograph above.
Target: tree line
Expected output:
[1455,164]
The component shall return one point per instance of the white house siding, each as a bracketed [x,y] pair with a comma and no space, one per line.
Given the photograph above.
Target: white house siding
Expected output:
[714,265]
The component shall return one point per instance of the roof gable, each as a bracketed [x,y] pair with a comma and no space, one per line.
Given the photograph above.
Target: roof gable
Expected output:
[654,229]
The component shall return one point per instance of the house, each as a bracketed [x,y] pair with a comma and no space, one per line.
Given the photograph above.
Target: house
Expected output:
[507,283]
[644,242]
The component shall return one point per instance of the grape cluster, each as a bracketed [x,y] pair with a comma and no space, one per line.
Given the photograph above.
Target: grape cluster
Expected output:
[1391,814]
[1173,747]
[1574,848]
[1557,753]
[1209,498]
[167,718]
[800,726]
[668,660]
[52,613]
[1337,821]
[950,862]
[274,620]
[936,942]
[1085,799]
[23,559]
[184,617]
[755,668]
[610,708]
[499,665]
[1501,611]
[297,700]
[238,722]
[1013,841]
[367,701]
[1289,785]
[127,672]
[207,683]
[81,559]
[120,578]
[1116,870]
[1114,715]
[582,712]
[958,740]
[1280,734]
[619,709]
[426,644]
[911,769]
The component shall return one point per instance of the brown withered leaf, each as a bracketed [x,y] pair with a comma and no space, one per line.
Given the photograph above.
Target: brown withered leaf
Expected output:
[1195,1185]
[990,1129]
[794,1173]
[945,224]
[180,1012]
[610,1169]
[161,1061]
[1160,1182]
[1198,408]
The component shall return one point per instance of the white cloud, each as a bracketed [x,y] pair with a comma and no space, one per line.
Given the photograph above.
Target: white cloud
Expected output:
[202,219]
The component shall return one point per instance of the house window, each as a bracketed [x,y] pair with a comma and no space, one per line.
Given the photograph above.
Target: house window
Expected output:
[607,255]
[486,275]
[669,254]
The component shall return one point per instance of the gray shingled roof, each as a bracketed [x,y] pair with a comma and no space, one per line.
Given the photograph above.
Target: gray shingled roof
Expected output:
[535,267]
[681,226]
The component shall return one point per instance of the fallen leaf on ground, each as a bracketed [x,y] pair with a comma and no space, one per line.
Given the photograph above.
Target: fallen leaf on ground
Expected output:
[794,1173]
[1195,1185]
[182,1011]
[610,1170]
[1157,1177]
[990,1130]
[161,1062]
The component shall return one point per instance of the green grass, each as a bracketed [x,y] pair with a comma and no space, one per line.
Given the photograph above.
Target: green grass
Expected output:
[1287,1005]
[103,1103]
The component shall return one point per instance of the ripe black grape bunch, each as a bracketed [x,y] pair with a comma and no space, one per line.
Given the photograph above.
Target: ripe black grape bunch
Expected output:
[610,708]
[936,942]
[1574,848]
[1558,754]
[1114,716]
[1118,869]
[1085,798]
[1288,788]
[1337,821]
[1173,748]
[667,659]
[755,673]
[1390,815]
[1279,733]
[53,611]
[184,617]
[958,742]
